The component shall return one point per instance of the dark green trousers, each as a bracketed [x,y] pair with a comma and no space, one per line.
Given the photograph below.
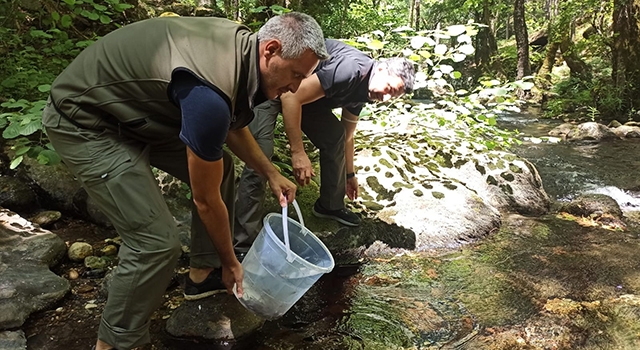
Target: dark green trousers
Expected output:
[114,168]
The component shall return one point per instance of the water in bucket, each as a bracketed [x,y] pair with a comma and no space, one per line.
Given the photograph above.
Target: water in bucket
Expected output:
[281,265]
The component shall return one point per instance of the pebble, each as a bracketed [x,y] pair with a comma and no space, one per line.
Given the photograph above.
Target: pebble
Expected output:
[90,306]
[73,274]
[85,288]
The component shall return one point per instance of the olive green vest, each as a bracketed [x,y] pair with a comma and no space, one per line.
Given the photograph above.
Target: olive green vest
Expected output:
[124,77]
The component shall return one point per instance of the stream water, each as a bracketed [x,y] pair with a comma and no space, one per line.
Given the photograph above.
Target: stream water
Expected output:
[538,283]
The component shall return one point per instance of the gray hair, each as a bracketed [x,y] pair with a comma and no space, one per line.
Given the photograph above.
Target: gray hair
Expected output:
[402,68]
[296,32]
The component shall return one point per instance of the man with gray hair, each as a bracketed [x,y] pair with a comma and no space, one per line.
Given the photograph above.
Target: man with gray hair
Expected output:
[169,92]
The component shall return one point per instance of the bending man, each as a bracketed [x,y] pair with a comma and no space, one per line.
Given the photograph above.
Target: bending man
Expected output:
[349,79]
[169,92]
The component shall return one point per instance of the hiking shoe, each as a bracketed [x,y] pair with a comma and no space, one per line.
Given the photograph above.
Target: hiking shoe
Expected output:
[343,216]
[210,286]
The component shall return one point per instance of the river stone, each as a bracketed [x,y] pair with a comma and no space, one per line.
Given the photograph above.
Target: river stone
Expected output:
[220,317]
[95,263]
[13,340]
[16,195]
[627,131]
[507,182]
[562,130]
[56,185]
[27,284]
[444,214]
[46,218]
[78,251]
[591,131]
[593,204]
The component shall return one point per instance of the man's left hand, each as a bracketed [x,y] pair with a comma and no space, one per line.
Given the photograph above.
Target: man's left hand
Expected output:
[352,188]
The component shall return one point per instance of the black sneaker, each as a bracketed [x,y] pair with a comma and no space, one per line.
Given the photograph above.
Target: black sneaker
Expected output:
[210,286]
[343,216]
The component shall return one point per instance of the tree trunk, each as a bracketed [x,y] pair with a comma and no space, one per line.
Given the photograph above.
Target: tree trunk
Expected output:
[625,56]
[544,73]
[522,40]
[578,68]
[417,12]
[486,46]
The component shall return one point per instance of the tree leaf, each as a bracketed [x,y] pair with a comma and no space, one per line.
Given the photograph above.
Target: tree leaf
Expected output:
[456,30]
[375,45]
[466,49]
[65,21]
[44,88]
[23,150]
[12,131]
[31,128]
[440,49]
[14,164]
[105,19]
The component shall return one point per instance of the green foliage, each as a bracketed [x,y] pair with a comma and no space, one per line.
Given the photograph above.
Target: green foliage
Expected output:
[24,125]
[100,11]
[454,103]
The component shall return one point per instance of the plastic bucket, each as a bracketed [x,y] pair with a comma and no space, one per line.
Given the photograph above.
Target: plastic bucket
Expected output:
[285,260]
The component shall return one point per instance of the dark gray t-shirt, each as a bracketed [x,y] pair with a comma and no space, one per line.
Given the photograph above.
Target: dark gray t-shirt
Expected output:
[344,78]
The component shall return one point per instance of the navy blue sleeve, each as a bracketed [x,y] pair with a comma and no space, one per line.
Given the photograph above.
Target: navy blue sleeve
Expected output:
[205,116]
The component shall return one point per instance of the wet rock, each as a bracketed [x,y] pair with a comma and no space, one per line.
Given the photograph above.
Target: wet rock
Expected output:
[78,251]
[26,253]
[220,317]
[13,340]
[109,250]
[593,205]
[46,218]
[562,130]
[56,187]
[507,182]
[627,131]
[95,263]
[591,131]
[16,195]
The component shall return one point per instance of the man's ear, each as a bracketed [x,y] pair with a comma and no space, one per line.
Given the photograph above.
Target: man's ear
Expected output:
[272,47]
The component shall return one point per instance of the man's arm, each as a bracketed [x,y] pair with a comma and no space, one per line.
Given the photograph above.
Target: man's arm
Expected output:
[205,178]
[349,121]
[310,90]
[242,144]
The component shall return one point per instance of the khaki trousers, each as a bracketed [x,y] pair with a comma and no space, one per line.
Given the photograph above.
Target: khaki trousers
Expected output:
[114,168]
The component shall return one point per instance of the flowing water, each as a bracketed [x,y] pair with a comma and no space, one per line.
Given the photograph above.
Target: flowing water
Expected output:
[539,283]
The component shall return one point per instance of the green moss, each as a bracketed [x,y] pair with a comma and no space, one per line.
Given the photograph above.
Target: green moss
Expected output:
[506,188]
[480,169]
[515,169]
[388,174]
[450,186]
[492,180]
[392,155]
[417,193]
[437,195]
[507,176]
[376,152]
[386,163]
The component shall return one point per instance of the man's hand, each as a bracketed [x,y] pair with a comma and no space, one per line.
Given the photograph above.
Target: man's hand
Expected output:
[352,188]
[302,169]
[233,275]
[283,189]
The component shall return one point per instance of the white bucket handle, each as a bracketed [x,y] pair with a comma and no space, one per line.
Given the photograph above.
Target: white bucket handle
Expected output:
[285,228]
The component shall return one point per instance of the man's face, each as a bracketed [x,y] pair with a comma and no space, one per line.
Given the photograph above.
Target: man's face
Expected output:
[280,75]
[384,86]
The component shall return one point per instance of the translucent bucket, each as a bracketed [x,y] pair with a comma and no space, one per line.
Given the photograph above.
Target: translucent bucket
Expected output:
[282,264]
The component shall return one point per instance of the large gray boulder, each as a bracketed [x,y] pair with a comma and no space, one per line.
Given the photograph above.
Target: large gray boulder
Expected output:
[26,254]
